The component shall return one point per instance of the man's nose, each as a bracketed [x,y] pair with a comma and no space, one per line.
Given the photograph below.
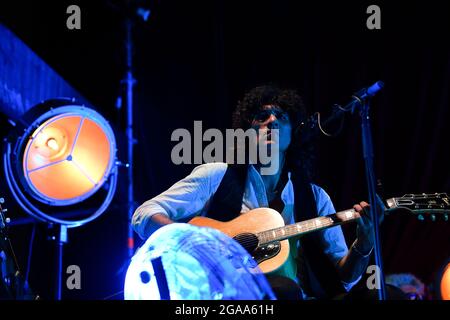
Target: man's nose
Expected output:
[272,122]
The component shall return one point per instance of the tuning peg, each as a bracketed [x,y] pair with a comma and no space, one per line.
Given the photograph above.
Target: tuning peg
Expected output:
[445,217]
[433,217]
[2,201]
[420,217]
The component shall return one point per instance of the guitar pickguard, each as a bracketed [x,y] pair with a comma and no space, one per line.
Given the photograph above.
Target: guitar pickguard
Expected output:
[259,253]
[267,251]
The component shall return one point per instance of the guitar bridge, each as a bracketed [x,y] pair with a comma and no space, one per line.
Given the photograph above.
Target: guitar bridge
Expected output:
[266,251]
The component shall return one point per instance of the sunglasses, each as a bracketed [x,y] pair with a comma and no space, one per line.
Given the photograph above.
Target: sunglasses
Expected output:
[263,115]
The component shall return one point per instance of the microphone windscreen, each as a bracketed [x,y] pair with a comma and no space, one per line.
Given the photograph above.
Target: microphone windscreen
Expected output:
[377,86]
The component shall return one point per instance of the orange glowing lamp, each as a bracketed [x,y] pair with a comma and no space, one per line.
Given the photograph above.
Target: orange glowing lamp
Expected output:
[62,157]
[68,158]
[445,283]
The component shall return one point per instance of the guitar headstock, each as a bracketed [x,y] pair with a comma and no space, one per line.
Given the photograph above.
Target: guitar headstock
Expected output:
[436,206]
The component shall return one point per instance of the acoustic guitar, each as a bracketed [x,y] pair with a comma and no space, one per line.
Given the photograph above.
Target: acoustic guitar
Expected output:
[270,242]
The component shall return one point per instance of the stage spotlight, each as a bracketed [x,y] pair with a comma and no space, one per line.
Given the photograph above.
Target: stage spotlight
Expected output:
[68,157]
[60,155]
[60,166]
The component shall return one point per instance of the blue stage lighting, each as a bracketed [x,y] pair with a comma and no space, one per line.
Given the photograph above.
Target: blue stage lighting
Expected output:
[185,262]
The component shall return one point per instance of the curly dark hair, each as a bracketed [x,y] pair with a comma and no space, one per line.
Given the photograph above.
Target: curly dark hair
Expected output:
[300,157]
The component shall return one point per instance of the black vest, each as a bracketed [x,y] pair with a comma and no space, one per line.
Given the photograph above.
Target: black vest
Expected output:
[318,276]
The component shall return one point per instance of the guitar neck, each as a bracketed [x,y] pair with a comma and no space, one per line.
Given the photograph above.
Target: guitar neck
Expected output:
[307,226]
[430,204]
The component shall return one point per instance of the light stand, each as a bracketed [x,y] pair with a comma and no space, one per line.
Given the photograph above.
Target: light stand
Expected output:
[128,82]
[133,13]
[60,238]
[12,283]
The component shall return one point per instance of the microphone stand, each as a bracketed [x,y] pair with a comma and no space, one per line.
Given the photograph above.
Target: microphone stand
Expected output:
[368,154]
[309,129]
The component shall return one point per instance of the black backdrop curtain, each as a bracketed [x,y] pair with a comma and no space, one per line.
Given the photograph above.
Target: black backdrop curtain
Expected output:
[194,60]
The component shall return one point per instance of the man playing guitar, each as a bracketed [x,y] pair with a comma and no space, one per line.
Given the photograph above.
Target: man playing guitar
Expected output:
[324,265]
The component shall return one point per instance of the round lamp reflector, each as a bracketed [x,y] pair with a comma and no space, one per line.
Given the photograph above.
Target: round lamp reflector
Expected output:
[69,156]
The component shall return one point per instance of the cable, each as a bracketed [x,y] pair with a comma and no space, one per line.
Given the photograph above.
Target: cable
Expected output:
[30,252]
[113,295]
[323,131]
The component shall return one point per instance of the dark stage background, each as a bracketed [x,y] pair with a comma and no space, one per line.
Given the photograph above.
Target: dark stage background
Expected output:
[195,59]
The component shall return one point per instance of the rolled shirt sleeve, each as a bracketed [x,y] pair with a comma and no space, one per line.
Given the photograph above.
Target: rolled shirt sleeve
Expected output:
[186,198]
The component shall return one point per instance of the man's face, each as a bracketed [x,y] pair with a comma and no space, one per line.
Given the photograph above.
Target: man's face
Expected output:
[273,117]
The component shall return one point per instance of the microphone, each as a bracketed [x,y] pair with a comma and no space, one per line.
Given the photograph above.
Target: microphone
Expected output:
[310,128]
[368,92]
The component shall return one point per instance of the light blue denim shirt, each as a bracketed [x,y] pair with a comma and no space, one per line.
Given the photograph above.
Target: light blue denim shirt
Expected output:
[192,195]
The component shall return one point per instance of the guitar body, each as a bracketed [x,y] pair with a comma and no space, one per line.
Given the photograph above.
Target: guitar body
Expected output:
[273,258]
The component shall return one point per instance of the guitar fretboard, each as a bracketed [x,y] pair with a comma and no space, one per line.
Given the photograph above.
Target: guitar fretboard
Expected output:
[307,226]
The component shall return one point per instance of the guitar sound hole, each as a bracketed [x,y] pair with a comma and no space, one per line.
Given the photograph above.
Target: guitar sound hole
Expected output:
[248,240]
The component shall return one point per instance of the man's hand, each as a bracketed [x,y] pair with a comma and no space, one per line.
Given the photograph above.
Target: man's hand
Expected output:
[364,231]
